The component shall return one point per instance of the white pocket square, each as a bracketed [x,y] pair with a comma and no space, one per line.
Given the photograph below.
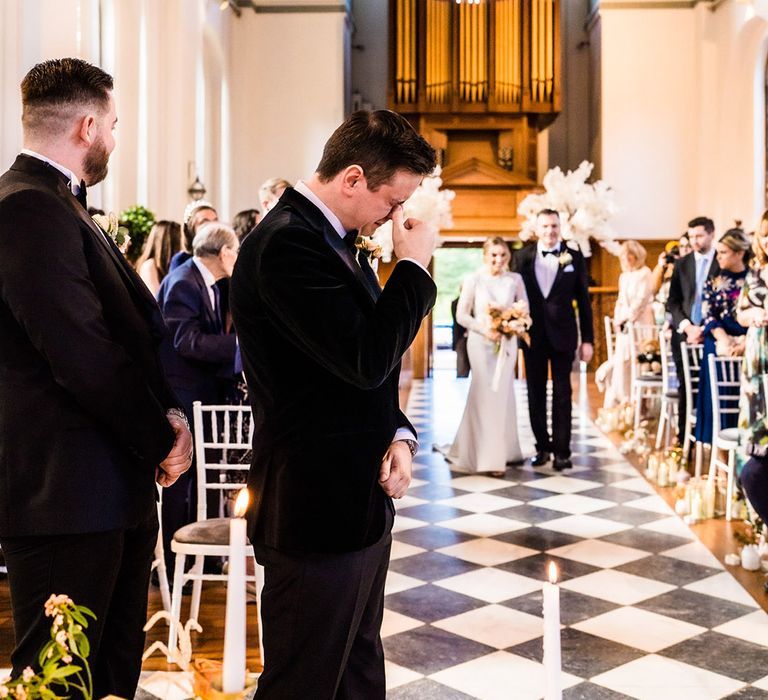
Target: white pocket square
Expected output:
[568,268]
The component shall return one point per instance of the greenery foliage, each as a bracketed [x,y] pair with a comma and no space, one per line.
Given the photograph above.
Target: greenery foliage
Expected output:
[139,221]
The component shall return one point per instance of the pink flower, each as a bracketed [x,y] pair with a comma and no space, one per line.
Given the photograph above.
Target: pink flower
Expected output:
[4,691]
[27,674]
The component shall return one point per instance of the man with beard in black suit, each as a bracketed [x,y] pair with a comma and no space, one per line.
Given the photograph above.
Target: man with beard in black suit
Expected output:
[321,345]
[87,420]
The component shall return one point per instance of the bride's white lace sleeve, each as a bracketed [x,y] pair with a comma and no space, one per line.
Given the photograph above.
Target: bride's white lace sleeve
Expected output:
[466,306]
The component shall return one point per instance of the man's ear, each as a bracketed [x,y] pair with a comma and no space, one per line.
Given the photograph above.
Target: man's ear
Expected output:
[86,129]
[352,178]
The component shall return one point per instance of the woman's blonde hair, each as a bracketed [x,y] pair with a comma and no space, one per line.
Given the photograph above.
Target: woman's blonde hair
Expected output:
[760,256]
[495,240]
[635,249]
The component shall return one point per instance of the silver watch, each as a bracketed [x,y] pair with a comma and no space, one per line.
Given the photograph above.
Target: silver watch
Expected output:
[413,446]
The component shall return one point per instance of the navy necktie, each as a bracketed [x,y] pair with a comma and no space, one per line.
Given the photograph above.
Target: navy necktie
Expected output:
[217,306]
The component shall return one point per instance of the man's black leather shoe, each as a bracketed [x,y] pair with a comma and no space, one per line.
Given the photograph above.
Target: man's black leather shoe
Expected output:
[540,459]
[562,463]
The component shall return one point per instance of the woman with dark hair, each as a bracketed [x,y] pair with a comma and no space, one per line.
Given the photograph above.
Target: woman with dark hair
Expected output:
[163,242]
[244,221]
[487,438]
[723,335]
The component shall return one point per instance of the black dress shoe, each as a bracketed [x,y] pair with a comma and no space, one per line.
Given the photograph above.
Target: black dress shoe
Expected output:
[540,459]
[562,463]
[515,462]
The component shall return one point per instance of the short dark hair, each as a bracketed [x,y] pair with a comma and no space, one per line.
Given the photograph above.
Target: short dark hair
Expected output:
[53,91]
[381,143]
[548,212]
[244,221]
[706,222]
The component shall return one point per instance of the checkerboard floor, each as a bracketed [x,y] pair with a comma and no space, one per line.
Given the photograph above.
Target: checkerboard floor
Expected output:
[647,611]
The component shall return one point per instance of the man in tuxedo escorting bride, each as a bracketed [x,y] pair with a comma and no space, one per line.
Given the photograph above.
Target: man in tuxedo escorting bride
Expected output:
[555,277]
[321,344]
[87,420]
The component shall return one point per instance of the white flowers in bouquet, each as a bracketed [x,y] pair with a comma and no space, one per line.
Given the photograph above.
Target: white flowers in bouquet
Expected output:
[428,203]
[585,208]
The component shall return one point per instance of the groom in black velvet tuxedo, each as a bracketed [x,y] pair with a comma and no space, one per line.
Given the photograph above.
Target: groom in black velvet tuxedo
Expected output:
[321,344]
[555,277]
[87,419]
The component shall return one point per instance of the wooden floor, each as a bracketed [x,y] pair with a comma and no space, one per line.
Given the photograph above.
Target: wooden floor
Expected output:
[717,535]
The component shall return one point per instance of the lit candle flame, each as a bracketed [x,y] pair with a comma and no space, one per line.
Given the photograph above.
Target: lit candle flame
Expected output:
[553,572]
[241,503]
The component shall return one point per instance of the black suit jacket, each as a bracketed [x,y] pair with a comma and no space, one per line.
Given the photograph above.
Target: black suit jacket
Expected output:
[197,355]
[322,356]
[682,287]
[82,393]
[554,319]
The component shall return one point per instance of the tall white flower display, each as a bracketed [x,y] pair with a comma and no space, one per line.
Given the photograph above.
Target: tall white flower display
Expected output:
[585,208]
[428,203]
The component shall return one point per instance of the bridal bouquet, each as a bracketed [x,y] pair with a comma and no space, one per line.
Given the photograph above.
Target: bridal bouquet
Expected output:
[509,322]
[585,208]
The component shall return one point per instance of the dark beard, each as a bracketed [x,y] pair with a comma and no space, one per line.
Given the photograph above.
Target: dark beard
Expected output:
[96,163]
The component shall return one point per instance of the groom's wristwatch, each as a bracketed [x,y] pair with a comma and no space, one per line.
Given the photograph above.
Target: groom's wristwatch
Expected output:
[413,446]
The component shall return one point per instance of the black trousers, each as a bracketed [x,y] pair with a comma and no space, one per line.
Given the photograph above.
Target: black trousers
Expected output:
[677,356]
[322,618]
[754,481]
[537,362]
[107,572]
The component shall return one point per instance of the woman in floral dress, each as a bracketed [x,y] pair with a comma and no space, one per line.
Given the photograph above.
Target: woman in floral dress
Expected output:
[723,335]
[753,407]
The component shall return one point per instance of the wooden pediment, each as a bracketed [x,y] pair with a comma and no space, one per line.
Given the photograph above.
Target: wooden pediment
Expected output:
[474,172]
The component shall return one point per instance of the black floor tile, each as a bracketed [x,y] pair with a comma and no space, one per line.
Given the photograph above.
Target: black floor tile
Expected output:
[426,689]
[435,492]
[538,538]
[536,565]
[432,512]
[624,514]
[529,513]
[522,492]
[432,537]
[696,608]
[668,570]
[431,566]
[574,607]
[647,540]
[430,603]
[590,691]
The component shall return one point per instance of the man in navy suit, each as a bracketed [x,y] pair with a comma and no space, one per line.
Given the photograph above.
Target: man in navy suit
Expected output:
[198,355]
[555,277]
[87,419]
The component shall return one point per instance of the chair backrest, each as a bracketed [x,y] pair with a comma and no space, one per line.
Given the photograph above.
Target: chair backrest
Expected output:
[223,440]
[610,335]
[638,333]
[692,358]
[725,387]
[668,370]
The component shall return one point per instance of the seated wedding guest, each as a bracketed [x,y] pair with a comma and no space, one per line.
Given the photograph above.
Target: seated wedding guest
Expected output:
[87,419]
[196,213]
[198,356]
[244,222]
[163,242]
[634,304]
[723,334]
[752,313]
[487,438]
[271,191]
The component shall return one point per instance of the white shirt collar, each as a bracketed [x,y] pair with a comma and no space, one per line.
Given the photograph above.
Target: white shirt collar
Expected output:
[208,277]
[708,255]
[74,182]
[302,188]
[540,247]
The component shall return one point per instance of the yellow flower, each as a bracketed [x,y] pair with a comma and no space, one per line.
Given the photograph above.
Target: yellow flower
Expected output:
[370,246]
[565,259]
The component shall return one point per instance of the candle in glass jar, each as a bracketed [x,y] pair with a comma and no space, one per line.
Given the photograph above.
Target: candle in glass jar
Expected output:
[551,657]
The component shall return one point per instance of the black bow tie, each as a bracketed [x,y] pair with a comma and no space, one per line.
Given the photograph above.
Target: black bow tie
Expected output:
[544,253]
[350,239]
[81,195]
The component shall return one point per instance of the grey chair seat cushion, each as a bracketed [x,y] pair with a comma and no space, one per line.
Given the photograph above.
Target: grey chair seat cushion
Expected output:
[214,531]
[731,434]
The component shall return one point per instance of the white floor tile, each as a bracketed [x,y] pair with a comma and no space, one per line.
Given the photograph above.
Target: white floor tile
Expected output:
[400,582]
[397,675]
[635,483]
[487,552]
[617,587]
[479,483]
[658,678]
[415,483]
[490,585]
[408,502]
[394,623]
[640,629]
[403,523]
[694,552]
[670,526]
[619,468]
[654,504]
[480,502]
[401,550]
[751,628]
[585,526]
[599,553]
[494,625]
[499,676]
[483,524]
[563,484]
[723,585]
[762,683]
[572,503]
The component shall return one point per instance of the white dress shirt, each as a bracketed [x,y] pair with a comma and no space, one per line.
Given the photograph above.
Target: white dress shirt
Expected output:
[208,279]
[545,268]
[74,182]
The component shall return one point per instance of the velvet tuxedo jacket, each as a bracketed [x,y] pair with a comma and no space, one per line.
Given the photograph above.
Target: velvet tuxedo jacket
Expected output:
[321,352]
[196,354]
[554,318]
[682,287]
[82,393]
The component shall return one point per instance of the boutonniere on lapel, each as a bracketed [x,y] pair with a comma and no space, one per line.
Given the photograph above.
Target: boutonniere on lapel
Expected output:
[565,259]
[369,246]
[110,224]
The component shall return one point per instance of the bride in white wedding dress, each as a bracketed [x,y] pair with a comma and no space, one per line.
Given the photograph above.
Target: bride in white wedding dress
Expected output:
[487,438]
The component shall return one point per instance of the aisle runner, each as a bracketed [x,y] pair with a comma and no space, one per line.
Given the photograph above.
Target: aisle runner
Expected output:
[648,612]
